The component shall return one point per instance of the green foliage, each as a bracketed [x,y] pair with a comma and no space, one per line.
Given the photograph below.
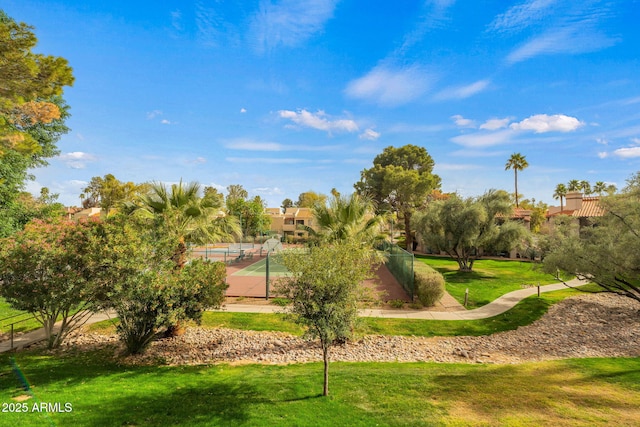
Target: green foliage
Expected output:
[45,270]
[606,252]
[464,227]
[282,302]
[429,284]
[30,81]
[347,218]
[186,216]
[324,288]
[140,282]
[311,199]
[108,192]
[401,180]
[396,303]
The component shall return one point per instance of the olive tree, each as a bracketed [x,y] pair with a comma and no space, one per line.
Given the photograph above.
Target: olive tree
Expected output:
[464,227]
[324,288]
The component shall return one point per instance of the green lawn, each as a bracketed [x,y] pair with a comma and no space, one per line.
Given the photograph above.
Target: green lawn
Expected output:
[103,393]
[21,326]
[489,279]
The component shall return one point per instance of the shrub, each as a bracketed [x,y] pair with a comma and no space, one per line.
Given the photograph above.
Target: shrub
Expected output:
[429,284]
[396,303]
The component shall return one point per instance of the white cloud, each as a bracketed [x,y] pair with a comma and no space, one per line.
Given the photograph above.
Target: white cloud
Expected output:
[370,134]
[153,114]
[495,124]
[289,22]
[318,121]
[462,92]
[636,141]
[483,139]
[454,167]
[391,87]
[462,122]
[541,123]
[243,110]
[77,159]
[522,15]
[603,154]
[602,141]
[268,191]
[251,145]
[627,152]
[166,122]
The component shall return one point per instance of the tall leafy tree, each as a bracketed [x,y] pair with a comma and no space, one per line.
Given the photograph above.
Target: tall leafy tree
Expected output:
[324,289]
[517,162]
[251,213]
[560,193]
[30,83]
[108,192]
[287,203]
[600,188]
[463,227]
[311,199]
[32,115]
[400,180]
[608,251]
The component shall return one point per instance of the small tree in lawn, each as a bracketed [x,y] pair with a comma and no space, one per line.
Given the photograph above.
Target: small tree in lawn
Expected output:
[324,288]
[44,270]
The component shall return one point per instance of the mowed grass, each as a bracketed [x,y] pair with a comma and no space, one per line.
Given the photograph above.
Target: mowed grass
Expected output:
[103,393]
[489,280]
[24,323]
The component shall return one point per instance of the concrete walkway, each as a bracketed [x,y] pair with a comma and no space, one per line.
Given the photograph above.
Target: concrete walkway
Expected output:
[494,308]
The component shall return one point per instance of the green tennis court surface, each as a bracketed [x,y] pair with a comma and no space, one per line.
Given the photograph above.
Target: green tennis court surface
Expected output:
[260,269]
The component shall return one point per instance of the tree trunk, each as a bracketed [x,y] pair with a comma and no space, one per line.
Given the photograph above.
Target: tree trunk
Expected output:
[407,231]
[516,173]
[325,356]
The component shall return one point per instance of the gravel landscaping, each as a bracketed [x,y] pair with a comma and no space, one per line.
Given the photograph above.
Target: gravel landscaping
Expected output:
[597,325]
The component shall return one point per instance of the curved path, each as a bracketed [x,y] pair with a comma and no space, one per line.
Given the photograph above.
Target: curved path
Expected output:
[494,308]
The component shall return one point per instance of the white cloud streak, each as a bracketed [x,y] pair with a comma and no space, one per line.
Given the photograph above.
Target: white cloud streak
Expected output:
[495,124]
[289,22]
[391,87]
[462,122]
[370,134]
[319,121]
[462,92]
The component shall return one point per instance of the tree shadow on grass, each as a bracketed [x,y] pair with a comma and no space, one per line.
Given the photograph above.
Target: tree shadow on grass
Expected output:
[548,393]
[216,404]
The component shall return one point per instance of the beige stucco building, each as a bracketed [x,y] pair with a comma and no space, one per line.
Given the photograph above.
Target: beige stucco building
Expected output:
[287,222]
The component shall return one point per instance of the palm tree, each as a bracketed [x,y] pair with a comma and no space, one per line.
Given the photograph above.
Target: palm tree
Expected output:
[346,218]
[585,187]
[573,185]
[599,188]
[188,216]
[560,192]
[517,162]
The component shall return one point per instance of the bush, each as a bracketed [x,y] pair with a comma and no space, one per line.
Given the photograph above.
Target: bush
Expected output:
[429,284]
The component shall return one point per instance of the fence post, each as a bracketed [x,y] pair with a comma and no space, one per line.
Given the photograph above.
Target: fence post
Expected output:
[267,265]
[538,289]
[466,297]
[11,348]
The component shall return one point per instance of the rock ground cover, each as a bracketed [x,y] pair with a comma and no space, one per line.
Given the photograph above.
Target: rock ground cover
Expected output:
[593,325]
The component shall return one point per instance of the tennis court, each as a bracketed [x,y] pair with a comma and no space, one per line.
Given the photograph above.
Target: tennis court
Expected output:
[259,269]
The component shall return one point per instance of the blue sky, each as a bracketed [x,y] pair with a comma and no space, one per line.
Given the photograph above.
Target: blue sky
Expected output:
[285,96]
